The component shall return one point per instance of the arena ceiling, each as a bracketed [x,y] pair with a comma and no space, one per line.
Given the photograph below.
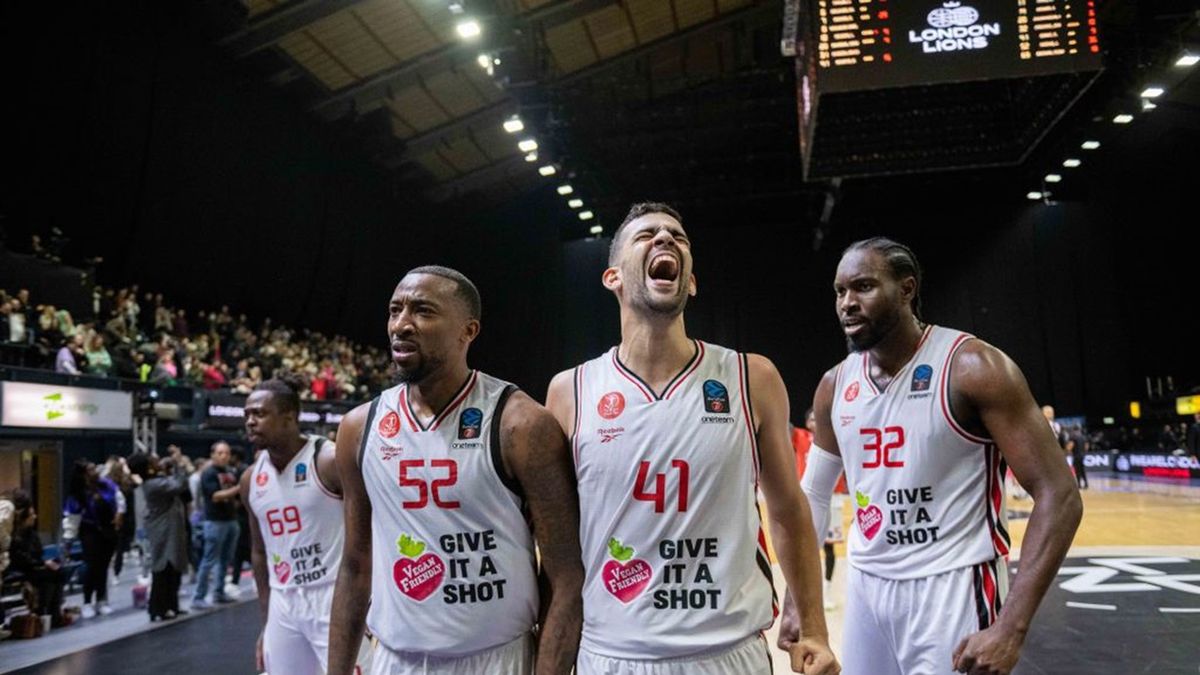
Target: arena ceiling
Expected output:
[684,100]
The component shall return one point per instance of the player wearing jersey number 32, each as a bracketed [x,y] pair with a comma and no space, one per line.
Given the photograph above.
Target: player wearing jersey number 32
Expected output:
[443,475]
[924,420]
[671,437]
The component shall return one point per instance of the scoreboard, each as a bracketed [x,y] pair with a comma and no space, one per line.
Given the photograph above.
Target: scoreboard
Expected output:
[875,44]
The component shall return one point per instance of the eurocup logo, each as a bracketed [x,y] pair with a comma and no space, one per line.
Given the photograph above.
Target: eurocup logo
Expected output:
[716,397]
[470,423]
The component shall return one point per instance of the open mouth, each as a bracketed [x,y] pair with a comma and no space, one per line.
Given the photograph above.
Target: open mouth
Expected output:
[663,267]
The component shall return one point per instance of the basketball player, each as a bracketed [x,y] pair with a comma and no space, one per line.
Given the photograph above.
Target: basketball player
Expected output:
[440,473]
[293,496]
[923,419]
[671,437]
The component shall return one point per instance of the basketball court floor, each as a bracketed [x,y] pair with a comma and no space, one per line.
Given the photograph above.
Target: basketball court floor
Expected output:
[1127,600]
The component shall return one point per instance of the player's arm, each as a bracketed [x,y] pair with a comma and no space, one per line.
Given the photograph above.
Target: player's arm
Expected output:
[258,563]
[327,469]
[352,591]
[795,540]
[560,400]
[535,453]
[990,397]
[820,476]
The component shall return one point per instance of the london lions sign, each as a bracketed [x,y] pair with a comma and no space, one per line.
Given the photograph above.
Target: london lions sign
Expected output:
[954,27]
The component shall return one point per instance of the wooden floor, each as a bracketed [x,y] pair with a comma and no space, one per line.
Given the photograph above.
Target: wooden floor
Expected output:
[1127,601]
[1127,521]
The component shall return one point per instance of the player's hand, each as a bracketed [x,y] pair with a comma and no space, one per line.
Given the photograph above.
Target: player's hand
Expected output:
[993,651]
[789,627]
[812,656]
[258,655]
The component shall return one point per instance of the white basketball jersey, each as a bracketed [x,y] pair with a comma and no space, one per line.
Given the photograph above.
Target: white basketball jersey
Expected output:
[453,562]
[929,496]
[299,518]
[671,537]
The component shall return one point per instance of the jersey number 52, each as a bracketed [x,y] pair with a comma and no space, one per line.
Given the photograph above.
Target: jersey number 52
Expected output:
[432,487]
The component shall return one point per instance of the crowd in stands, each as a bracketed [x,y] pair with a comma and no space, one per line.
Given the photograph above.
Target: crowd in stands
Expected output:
[139,337]
[173,512]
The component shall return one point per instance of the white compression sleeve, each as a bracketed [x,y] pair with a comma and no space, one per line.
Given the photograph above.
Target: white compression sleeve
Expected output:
[820,476]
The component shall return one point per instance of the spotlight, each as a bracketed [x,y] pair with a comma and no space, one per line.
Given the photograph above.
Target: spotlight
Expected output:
[547,170]
[596,229]
[1123,118]
[468,29]
[514,124]
[1090,145]
[565,189]
[1034,196]
[586,215]
[527,145]
[1153,92]
[1071,163]
[1187,61]
[531,157]
[1052,178]
[575,203]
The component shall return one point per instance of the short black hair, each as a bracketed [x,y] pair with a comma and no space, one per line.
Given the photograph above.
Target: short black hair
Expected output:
[636,211]
[285,391]
[902,262]
[464,288]
[139,464]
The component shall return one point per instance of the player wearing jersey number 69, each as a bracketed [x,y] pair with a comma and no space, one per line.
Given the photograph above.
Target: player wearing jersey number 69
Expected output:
[293,496]
[923,419]
[671,437]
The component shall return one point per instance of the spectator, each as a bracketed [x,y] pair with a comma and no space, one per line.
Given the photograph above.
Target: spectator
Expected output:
[93,501]
[1077,445]
[219,489]
[99,361]
[213,375]
[165,372]
[28,557]
[69,356]
[7,517]
[165,489]
[18,322]
[116,470]
[66,325]
[196,516]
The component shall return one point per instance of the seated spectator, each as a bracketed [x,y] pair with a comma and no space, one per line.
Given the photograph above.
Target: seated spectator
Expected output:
[99,361]
[27,554]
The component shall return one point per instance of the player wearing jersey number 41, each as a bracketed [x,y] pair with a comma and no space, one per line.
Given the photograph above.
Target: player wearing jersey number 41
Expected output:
[924,420]
[671,437]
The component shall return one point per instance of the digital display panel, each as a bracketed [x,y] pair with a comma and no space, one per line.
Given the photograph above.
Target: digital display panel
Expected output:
[874,44]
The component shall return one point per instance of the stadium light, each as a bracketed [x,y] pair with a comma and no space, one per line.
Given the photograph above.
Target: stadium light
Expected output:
[547,170]
[565,189]
[1187,61]
[1071,162]
[514,124]
[1123,118]
[531,157]
[1034,195]
[1090,145]
[1153,92]
[1053,178]
[468,29]
[586,215]
[527,145]
[575,203]
[596,229]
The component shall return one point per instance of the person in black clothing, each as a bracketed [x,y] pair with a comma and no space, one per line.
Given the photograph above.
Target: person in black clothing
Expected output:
[218,485]
[1077,445]
[165,489]
[241,554]
[27,555]
[93,500]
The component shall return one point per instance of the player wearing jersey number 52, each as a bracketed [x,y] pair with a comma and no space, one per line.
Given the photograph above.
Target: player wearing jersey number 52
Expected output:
[671,438]
[442,474]
[923,419]
[293,497]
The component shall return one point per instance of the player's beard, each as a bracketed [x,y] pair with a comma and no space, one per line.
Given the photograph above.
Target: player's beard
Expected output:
[426,364]
[664,306]
[875,330]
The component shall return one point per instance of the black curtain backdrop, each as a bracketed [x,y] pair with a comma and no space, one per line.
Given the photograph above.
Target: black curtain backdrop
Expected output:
[194,178]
